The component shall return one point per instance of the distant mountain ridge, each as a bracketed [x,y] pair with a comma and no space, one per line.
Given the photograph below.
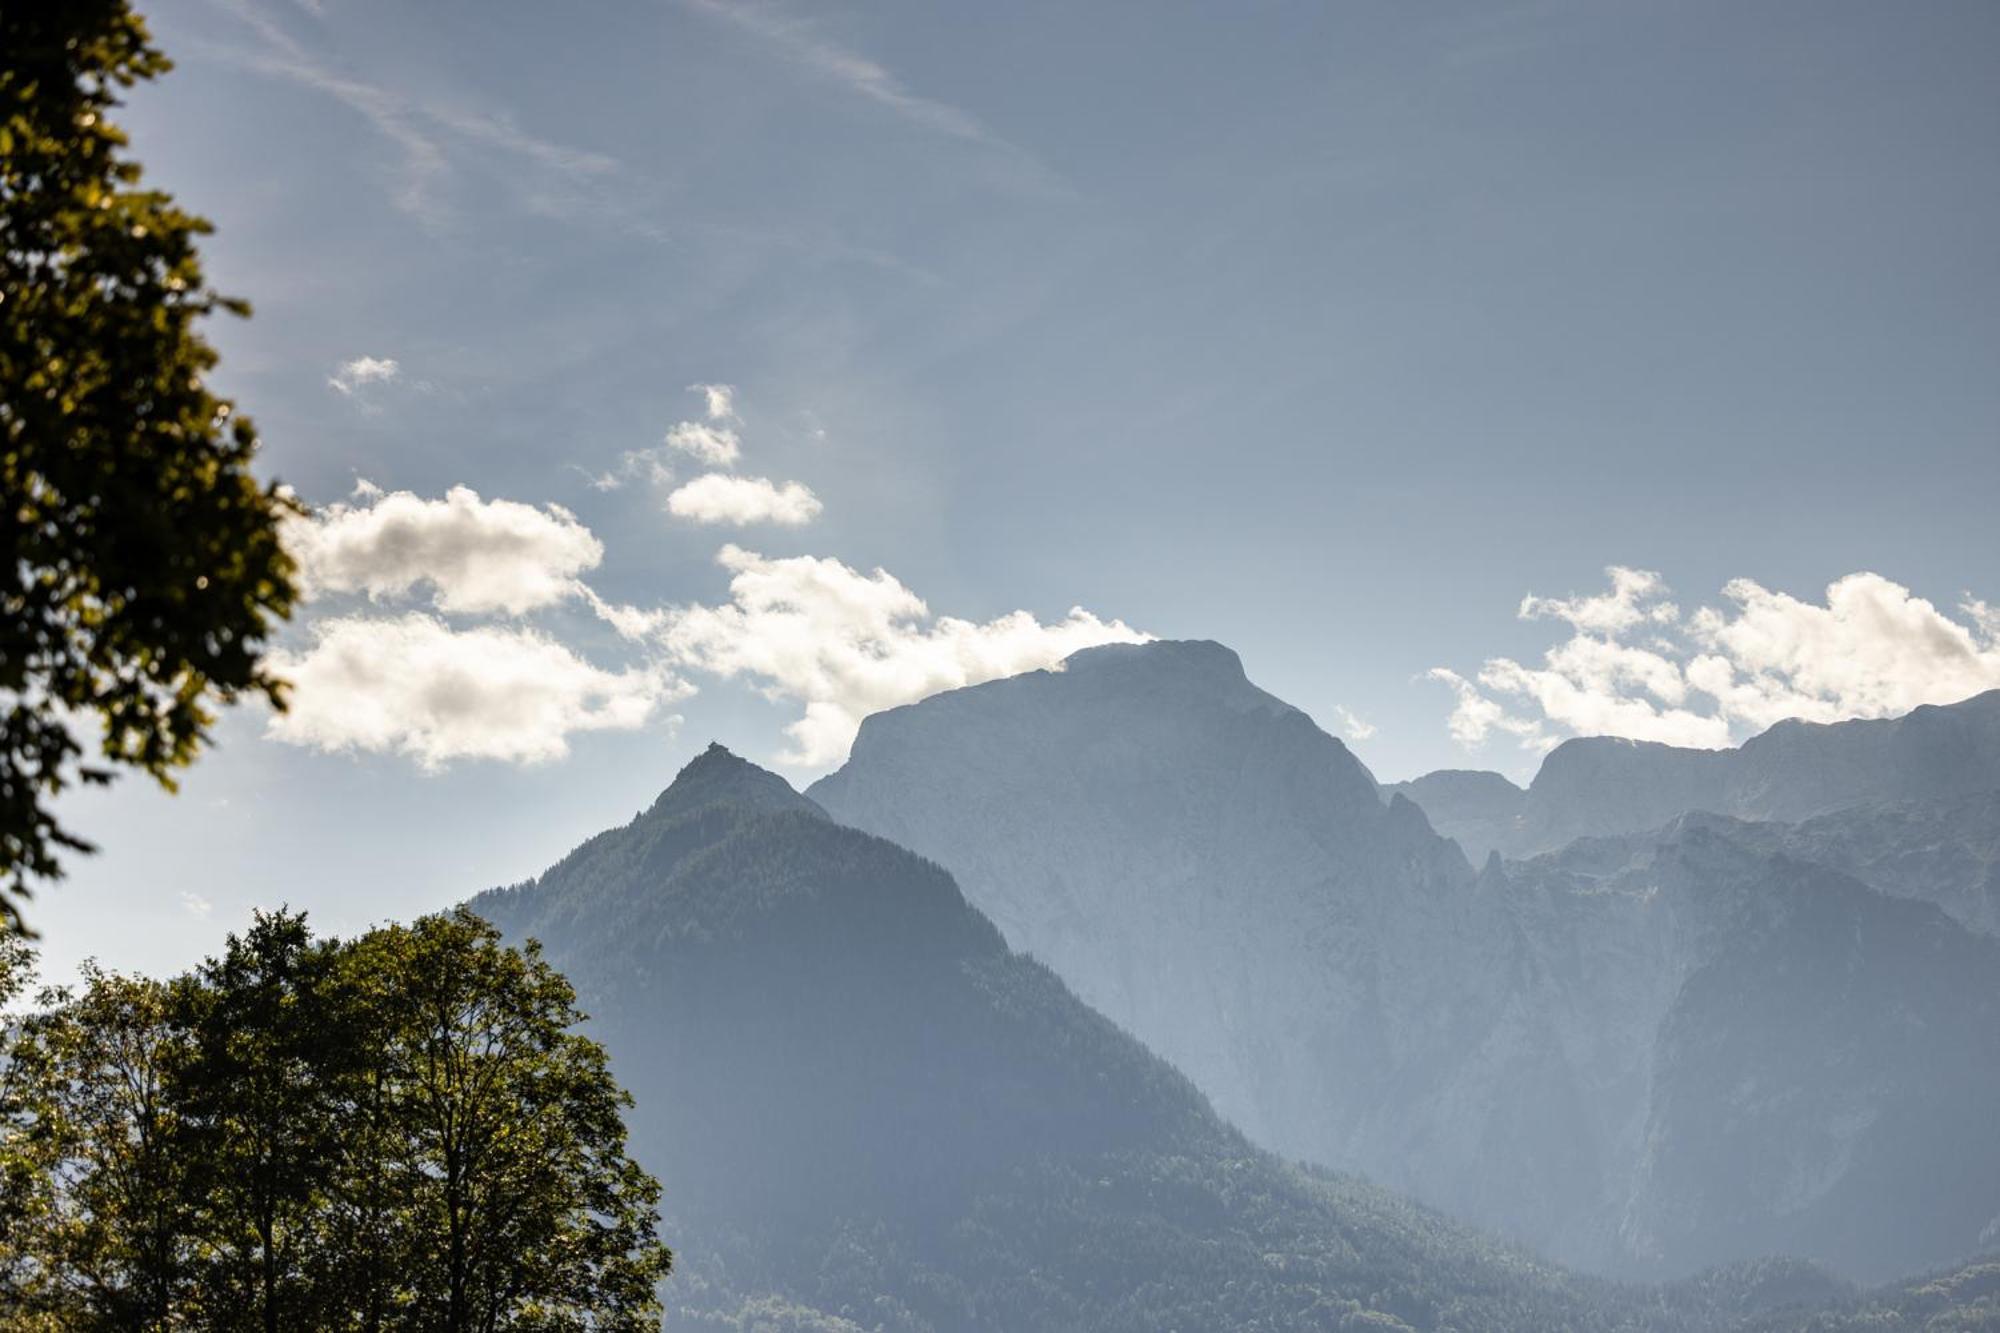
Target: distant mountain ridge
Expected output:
[869,1115]
[1228,882]
[1595,786]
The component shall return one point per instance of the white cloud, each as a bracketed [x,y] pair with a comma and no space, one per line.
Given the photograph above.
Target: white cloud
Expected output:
[412,685]
[715,445]
[1354,728]
[713,442]
[716,497]
[195,905]
[719,400]
[1612,612]
[477,555]
[1872,649]
[651,464]
[1474,716]
[363,370]
[847,644]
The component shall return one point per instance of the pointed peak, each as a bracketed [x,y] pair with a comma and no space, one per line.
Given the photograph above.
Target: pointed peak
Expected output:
[718,776]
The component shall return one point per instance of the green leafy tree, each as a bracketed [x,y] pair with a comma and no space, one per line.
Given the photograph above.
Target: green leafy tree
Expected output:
[265,1090]
[525,1211]
[24,1167]
[104,1239]
[140,562]
[402,1132]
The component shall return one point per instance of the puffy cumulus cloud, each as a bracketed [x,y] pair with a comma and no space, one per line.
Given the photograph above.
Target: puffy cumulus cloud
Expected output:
[413,685]
[717,497]
[847,644]
[362,370]
[1872,649]
[477,555]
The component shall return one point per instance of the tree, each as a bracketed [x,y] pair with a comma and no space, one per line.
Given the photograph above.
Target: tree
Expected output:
[525,1211]
[401,1132]
[140,561]
[264,1089]
[101,1239]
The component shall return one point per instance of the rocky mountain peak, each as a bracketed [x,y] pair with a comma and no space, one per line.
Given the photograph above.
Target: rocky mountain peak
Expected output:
[718,776]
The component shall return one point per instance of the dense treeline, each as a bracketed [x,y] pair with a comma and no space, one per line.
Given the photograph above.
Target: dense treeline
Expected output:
[397,1132]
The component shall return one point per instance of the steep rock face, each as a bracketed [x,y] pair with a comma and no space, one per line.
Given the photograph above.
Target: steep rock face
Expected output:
[1803,1065]
[1227,882]
[864,1108]
[1207,868]
[1944,851]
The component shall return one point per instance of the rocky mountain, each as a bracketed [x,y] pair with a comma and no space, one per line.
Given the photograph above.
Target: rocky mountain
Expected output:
[1772,1058]
[1795,771]
[1200,862]
[1476,809]
[869,1114]
[1210,870]
[1945,851]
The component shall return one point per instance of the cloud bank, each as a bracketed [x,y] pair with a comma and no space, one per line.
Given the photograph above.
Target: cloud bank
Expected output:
[1636,666]
[847,644]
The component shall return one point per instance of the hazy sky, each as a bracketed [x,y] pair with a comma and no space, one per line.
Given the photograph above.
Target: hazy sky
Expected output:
[1328,331]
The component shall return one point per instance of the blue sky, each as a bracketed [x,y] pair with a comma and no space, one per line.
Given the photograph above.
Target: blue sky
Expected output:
[1328,331]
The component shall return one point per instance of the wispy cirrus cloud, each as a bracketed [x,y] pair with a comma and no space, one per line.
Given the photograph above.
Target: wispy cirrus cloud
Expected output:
[434,137]
[805,43]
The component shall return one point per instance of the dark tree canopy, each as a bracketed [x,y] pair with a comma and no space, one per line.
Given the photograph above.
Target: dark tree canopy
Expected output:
[399,1132]
[142,567]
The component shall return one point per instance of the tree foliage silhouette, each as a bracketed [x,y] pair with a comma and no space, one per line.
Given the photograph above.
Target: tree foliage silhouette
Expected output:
[402,1132]
[140,562]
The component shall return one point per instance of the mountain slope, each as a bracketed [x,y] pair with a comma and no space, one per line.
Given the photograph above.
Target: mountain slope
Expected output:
[1517,1047]
[864,1108]
[1794,1064]
[1210,870]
